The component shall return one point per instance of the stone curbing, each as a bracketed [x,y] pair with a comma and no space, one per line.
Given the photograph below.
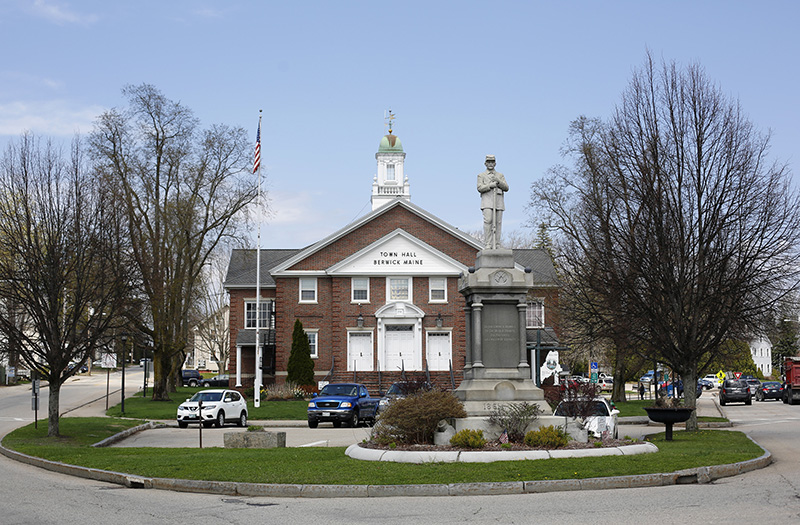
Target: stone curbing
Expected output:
[455,456]
[694,475]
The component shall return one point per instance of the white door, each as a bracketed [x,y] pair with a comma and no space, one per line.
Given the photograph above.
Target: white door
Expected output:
[399,347]
[359,351]
[439,351]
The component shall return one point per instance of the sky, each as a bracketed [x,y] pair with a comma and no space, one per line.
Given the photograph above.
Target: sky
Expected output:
[464,79]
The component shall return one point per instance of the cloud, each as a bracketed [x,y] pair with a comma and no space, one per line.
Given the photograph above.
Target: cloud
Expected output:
[51,118]
[60,13]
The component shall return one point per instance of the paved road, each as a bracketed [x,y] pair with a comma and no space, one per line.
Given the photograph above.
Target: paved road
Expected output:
[31,495]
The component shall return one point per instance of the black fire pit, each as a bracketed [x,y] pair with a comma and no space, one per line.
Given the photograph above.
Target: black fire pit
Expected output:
[669,416]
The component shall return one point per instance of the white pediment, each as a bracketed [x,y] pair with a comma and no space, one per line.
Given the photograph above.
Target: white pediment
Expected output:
[398,253]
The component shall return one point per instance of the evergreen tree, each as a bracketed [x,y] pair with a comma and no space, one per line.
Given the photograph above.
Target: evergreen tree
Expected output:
[300,370]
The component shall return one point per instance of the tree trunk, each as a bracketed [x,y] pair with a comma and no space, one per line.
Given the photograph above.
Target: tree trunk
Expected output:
[690,396]
[52,409]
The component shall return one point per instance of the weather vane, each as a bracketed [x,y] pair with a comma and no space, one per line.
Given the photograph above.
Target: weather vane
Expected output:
[389,118]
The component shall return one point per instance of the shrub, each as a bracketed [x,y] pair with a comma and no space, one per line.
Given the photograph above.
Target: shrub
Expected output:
[547,437]
[300,369]
[468,438]
[514,418]
[413,420]
[284,392]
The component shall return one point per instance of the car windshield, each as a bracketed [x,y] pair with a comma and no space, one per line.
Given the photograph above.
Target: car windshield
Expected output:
[207,396]
[771,384]
[338,390]
[394,390]
[570,408]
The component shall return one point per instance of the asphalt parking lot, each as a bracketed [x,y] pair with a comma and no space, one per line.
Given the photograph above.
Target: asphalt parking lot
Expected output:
[297,435]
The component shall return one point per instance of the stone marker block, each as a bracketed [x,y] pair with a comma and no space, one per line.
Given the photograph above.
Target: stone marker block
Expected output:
[254,439]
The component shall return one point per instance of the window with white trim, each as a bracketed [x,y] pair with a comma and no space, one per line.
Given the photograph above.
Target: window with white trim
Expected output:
[312,342]
[398,288]
[437,287]
[360,289]
[534,314]
[267,317]
[308,289]
[390,172]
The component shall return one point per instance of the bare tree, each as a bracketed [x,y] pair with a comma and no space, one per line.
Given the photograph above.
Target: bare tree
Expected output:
[184,194]
[673,224]
[62,282]
[210,312]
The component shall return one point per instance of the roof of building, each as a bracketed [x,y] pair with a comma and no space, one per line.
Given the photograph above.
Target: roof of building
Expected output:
[390,143]
[242,267]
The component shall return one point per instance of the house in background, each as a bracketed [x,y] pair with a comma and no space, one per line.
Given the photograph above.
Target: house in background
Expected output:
[378,299]
[761,350]
[210,343]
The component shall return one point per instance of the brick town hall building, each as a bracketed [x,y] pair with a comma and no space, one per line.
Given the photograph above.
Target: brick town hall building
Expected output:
[379,299]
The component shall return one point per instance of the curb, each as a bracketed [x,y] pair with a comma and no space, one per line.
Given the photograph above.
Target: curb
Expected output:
[463,456]
[694,475]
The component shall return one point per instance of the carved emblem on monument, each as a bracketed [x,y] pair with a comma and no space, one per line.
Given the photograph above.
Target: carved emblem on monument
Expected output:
[501,278]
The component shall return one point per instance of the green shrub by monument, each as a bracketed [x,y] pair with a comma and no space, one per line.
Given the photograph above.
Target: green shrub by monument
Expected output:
[468,438]
[548,437]
[413,420]
[300,370]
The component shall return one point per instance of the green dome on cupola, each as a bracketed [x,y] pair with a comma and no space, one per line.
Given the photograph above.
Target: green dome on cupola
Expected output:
[390,143]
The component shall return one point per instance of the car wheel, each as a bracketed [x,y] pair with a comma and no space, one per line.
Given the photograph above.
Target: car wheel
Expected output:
[337,424]
[192,383]
[207,424]
[182,424]
[748,401]
[220,419]
[722,402]
[243,419]
[353,421]
[206,384]
[312,424]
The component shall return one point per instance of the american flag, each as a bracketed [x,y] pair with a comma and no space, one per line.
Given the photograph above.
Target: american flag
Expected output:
[257,160]
[504,437]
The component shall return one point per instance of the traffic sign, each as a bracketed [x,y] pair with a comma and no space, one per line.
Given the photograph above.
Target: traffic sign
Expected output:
[721,376]
[738,375]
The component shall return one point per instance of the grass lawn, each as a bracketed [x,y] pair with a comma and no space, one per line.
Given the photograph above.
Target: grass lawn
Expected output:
[146,408]
[331,466]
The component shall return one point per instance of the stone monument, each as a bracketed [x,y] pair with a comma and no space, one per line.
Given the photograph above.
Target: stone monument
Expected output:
[497,371]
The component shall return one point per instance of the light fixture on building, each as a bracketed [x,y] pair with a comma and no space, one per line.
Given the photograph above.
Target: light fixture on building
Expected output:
[360,321]
[439,320]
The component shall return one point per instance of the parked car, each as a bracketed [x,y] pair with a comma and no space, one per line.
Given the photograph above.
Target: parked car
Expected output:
[191,377]
[705,384]
[342,403]
[603,418]
[217,380]
[567,383]
[665,389]
[753,384]
[713,379]
[735,390]
[769,390]
[647,377]
[605,383]
[147,360]
[400,390]
[218,407]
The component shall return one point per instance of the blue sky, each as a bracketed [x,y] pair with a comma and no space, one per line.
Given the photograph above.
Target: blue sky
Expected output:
[465,79]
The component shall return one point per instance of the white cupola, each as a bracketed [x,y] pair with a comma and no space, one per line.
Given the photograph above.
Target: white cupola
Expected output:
[390,182]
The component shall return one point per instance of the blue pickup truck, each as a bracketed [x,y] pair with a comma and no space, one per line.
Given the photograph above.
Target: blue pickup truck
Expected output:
[342,403]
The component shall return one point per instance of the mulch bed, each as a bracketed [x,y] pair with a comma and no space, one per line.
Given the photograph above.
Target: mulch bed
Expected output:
[496,446]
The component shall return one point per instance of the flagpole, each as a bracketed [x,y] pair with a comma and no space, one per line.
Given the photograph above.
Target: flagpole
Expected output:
[259,375]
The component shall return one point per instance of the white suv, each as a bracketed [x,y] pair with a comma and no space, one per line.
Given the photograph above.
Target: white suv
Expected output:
[218,407]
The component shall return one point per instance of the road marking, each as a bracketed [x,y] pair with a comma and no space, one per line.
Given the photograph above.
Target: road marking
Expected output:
[316,443]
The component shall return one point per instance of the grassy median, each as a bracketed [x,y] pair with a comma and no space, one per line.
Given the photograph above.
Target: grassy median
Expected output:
[331,466]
